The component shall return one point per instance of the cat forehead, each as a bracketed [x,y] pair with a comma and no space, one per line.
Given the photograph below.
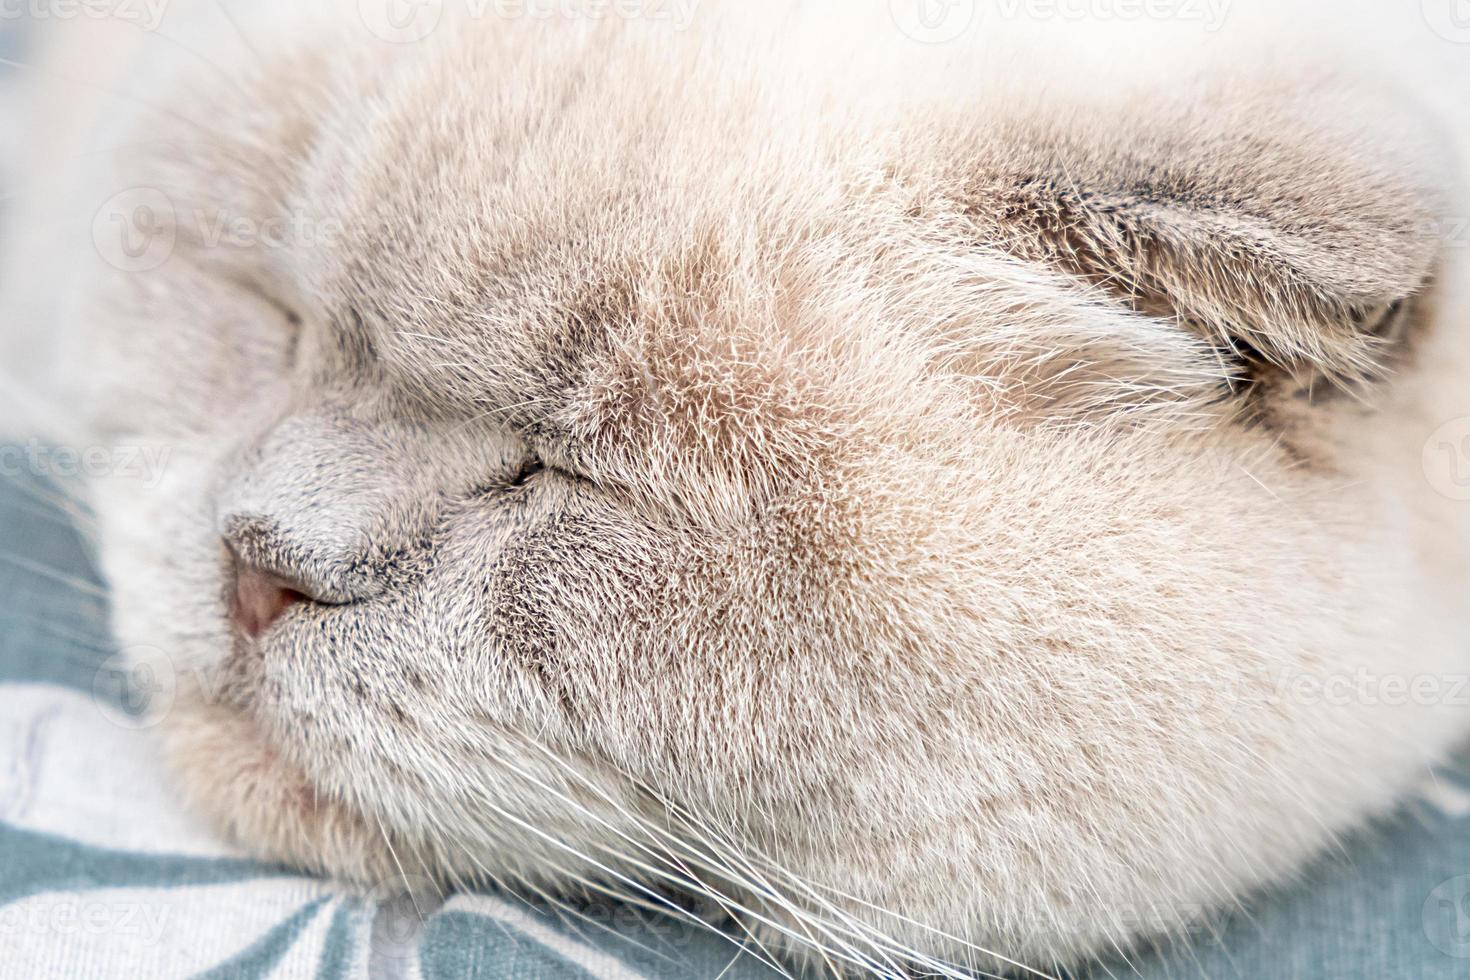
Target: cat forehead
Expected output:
[589,219]
[525,247]
[771,302]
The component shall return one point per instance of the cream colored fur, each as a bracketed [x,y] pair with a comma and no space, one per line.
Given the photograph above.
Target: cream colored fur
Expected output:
[953,457]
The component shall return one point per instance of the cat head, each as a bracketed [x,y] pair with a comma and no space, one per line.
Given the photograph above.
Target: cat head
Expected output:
[640,464]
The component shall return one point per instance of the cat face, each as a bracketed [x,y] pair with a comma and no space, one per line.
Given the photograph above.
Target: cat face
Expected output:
[636,469]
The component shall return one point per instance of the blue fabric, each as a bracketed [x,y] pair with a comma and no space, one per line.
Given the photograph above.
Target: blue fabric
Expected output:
[1392,905]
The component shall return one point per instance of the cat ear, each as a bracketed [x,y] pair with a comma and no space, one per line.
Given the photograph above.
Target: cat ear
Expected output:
[1293,227]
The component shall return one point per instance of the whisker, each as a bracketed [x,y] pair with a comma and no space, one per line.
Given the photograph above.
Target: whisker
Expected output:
[58,632]
[581,917]
[71,504]
[413,899]
[505,411]
[850,926]
[47,514]
[721,870]
[202,60]
[83,587]
[235,26]
[126,97]
[600,866]
[710,837]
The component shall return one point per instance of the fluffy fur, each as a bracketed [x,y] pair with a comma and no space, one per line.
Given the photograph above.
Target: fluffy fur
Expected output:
[884,495]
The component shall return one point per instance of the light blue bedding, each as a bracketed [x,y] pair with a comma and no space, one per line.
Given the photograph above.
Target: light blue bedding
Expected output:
[104,874]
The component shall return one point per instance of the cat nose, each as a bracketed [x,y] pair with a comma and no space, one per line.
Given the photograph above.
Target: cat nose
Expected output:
[260,597]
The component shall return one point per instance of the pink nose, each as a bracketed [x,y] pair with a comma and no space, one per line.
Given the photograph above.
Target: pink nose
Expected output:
[260,598]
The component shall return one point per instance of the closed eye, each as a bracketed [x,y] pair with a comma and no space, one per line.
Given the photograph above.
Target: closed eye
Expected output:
[532,466]
[519,481]
[288,316]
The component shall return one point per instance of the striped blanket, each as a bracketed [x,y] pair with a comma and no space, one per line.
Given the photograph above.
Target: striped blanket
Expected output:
[104,874]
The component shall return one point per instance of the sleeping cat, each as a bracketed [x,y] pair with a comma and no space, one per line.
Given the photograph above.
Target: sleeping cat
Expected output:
[919,499]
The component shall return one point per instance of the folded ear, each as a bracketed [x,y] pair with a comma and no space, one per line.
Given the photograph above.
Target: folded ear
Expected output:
[1292,226]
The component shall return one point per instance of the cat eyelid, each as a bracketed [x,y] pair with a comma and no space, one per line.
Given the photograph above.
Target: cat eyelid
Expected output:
[530,467]
[288,311]
[549,459]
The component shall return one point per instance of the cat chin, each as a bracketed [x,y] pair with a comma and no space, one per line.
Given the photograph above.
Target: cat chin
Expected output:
[229,769]
[264,804]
